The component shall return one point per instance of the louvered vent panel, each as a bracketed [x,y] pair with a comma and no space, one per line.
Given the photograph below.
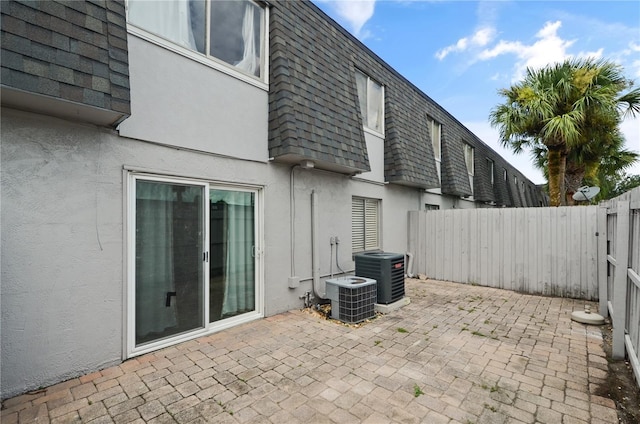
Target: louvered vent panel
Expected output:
[357,225]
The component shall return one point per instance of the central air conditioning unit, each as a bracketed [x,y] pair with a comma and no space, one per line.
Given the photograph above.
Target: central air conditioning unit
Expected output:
[353,299]
[387,269]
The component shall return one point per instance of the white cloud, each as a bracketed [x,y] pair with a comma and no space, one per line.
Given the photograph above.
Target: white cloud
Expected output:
[355,13]
[483,36]
[634,66]
[549,30]
[480,38]
[501,48]
[549,48]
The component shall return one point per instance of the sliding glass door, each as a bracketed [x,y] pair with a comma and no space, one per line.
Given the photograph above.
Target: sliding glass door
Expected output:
[194,262]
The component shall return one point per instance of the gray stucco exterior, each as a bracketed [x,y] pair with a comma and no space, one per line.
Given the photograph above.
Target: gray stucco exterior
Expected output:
[67,162]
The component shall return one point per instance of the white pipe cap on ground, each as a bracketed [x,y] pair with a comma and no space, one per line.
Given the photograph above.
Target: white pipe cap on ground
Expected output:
[587,317]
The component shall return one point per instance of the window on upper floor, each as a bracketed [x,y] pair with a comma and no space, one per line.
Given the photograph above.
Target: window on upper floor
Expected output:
[491,167]
[468,160]
[228,32]
[365,224]
[435,131]
[371,98]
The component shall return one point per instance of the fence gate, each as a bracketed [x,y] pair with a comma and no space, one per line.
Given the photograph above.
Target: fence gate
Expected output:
[620,280]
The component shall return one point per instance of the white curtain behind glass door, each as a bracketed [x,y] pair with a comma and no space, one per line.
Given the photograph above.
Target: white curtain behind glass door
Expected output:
[239,238]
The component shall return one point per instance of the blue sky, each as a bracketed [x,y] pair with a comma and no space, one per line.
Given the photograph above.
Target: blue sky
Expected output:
[460,53]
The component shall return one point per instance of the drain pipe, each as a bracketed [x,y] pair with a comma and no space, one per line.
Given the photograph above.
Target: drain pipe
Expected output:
[292,220]
[410,265]
[331,258]
[337,262]
[315,246]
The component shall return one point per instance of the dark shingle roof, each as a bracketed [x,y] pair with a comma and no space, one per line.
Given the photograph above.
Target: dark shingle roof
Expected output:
[312,100]
[314,110]
[482,188]
[71,50]
[455,179]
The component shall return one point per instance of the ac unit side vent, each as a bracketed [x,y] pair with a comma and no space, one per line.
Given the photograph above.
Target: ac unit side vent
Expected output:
[387,269]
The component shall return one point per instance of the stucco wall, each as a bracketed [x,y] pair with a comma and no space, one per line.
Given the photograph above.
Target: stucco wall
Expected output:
[375,150]
[63,241]
[178,101]
[333,196]
[61,251]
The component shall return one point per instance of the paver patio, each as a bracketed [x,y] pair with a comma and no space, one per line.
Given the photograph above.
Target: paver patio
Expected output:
[456,354]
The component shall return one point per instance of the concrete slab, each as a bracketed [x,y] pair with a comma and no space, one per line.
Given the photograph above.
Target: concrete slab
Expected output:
[386,309]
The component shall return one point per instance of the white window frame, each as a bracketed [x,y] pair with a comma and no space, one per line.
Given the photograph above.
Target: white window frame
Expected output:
[365,219]
[129,346]
[469,159]
[211,61]
[435,128]
[364,114]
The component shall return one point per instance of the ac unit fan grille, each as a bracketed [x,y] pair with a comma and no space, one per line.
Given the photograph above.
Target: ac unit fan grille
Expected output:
[356,304]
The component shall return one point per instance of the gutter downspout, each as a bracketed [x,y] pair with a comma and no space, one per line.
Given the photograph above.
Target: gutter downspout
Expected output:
[315,248]
[292,219]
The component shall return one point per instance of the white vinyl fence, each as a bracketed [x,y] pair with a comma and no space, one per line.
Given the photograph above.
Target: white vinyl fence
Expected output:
[620,280]
[550,251]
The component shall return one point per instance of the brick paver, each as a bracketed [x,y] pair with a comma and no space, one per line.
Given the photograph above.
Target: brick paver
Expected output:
[455,354]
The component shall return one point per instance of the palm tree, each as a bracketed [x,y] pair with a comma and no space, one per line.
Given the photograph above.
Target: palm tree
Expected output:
[595,164]
[560,108]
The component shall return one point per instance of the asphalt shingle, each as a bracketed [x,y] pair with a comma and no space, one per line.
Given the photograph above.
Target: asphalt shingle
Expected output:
[55,44]
[314,109]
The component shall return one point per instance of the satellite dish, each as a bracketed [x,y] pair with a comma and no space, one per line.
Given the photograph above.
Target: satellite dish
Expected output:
[585,193]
